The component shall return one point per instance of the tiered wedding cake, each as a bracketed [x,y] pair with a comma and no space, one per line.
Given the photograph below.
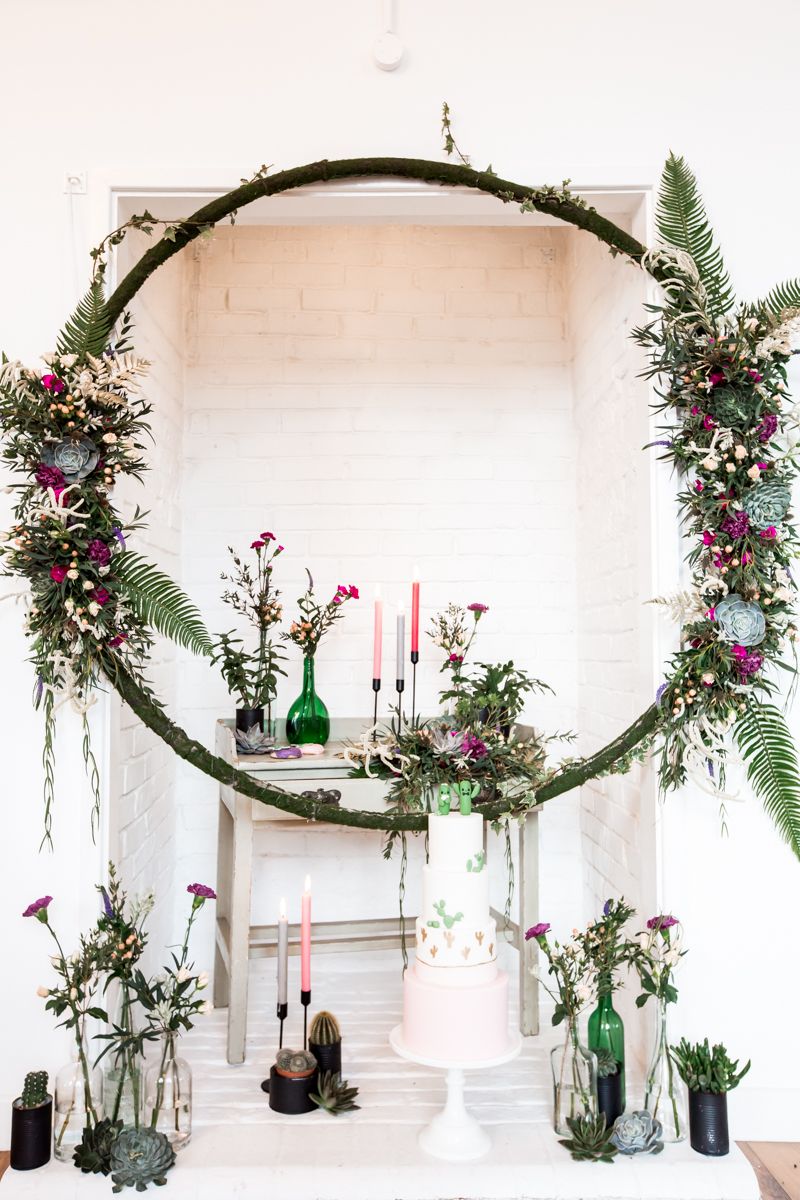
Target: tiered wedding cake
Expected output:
[455,1000]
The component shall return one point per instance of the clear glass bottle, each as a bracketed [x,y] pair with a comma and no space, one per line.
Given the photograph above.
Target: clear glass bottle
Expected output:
[77,1102]
[663,1089]
[307,720]
[168,1094]
[606,1032]
[574,1070]
[122,1074]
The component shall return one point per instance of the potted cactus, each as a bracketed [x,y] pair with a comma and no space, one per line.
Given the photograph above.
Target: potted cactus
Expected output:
[325,1042]
[31,1124]
[709,1075]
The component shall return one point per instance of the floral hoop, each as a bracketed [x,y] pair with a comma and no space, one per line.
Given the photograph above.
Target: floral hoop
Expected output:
[71,431]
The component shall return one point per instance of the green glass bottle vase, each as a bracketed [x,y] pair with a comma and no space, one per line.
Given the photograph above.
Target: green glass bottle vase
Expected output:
[606,1032]
[307,720]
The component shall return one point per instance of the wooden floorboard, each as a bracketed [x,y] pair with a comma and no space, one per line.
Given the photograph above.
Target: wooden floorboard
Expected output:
[3,1161]
[777,1165]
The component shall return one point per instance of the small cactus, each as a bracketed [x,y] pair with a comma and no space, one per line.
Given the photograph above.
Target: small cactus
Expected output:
[34,1090]
[325,1030]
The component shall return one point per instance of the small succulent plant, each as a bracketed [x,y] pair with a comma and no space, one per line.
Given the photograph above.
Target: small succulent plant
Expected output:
[706,1069]
[295,1064]
[589,1141]
[93,1153]
[325,1030]
[139,1157]
[253,741]
[334,1095]
[606,1064]
[637,1133]
[34,1089]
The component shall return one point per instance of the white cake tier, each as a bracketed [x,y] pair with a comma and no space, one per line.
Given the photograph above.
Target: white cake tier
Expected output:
[454,840]
[461,946]
[462,1024]
[456,977]
[458,896]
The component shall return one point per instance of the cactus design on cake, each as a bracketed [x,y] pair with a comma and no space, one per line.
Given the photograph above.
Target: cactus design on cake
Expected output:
[449,922]
[432,924]
[467,792]
[476,864]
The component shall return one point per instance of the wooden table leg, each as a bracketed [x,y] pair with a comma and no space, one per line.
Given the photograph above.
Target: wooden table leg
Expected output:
[528,899]
[222,907]
[239,947]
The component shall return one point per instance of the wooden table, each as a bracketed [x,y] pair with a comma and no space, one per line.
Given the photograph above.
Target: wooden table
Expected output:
[237,941]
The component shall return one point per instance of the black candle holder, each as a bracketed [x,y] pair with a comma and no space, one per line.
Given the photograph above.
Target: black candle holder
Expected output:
[414,661]
[376,687]
[400,686]
[305,1000]
[283,1011]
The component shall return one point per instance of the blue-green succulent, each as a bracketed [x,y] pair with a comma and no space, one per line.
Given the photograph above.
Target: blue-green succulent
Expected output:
[767,503]
[637,1133]
[740,621]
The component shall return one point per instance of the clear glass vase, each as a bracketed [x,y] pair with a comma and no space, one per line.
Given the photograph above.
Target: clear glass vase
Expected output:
[122,1075]
[307,720]
[663,1090]
[168,1094]
[77,1102]
[574,1080]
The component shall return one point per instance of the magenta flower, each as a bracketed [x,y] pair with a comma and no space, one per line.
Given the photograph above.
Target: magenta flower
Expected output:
[711,613]
[117,640]
[695,410]
[750,664]
[39,908]
[456,659]
[478,608]
[353,592]
[737,525]
[268,537]
[58,574]
[698,485]
[98,552]
[709,538]
[767,427]
[754,375]
[664,921]
[739,651]
[537,931]
[53,384]
[709,422]
[716,377]
[763,466]
[769,534]
[201,891]
[473,747]
[49,477]
[256,545]
[746,558]
[101,595]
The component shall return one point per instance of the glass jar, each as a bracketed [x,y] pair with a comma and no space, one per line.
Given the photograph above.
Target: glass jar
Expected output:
[606,1032]
[663,1090]
[122,1075]
[307,720]
[574,1080]
[77,1102]
[168,1094]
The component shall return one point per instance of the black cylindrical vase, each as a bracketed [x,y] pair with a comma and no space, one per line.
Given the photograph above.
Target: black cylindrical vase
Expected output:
[708,1122]
[31,1132]
[609,1097]
[329,1058]
[249,718]
[291,1096]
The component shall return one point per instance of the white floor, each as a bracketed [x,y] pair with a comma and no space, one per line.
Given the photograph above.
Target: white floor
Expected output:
[241,1149]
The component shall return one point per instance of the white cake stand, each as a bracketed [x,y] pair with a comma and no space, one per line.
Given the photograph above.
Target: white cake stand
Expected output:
[453,1134]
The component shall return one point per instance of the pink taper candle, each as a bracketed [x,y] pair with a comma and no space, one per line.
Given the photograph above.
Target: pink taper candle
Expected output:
[305,938]
[377,649]
[415,611]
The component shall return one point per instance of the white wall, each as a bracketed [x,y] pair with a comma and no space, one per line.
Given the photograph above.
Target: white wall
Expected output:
[594,93]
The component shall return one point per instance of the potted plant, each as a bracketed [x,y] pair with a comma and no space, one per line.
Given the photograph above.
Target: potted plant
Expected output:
[493,694]
[252,676]
[709,1075]
[325,1042]
[307,721]
[31,1124]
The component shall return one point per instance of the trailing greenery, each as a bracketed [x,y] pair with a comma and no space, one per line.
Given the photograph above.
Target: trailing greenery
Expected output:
[707,1069]
[590,1139]
[770,757]
[682,222]
[159,603]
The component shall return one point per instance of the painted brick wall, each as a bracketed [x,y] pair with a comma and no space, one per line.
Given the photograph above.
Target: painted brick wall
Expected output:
[613,553]
[382,396]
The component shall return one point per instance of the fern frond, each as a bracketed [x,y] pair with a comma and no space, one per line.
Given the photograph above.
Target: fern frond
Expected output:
[682,222]
[158,602]
[766,746]
[785,295]
[87,330]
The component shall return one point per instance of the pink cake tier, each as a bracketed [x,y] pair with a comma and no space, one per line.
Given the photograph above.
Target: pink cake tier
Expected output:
[457,1024]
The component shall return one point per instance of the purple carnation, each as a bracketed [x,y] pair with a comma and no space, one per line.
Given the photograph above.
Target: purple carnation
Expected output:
[38,906]
[537,931]
[473,747]
[98,552]
[50,477]
[767,428]
[202,891]
[665,921]
[750,664]
[478,608]
[736,525]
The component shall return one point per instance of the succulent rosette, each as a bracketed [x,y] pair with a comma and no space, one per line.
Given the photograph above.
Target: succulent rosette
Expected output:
[637,1133]
[74,457]
[740,621]
[767,503]
[139,1157]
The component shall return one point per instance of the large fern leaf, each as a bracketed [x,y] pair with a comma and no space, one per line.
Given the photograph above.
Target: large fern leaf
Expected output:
[768,751]
[158,602]
[682,222]
[785,295]
[87,330]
